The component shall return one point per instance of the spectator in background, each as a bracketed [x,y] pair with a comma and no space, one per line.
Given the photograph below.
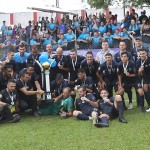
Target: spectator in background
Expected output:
[28,34]
[17,43]
[125,36]
[96,40]
[7,44]
[115,25]
[109,38]
[19,29]
[126,21]
[132,15]
[8,31]
[83,39]
[102,28]
[46,40]
[43,30]
[134,28]
[3,28]
[117,38]
[143,16]
[75,22]
[62,27]
[52,28]
[146,36]
[35,40]
[14,31]
[62,42]
[70,37]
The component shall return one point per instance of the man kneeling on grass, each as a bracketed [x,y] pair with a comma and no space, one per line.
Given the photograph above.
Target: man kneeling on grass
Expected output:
[87,108]
[66,105]
[9,103]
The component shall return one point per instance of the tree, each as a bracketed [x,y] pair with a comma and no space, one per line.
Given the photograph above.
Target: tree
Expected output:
[106,3]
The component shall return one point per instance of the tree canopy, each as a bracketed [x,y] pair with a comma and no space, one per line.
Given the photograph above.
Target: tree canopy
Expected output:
[106,3]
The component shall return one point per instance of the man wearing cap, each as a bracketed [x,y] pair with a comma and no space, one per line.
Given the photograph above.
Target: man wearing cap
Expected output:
[136,55]
[135,50]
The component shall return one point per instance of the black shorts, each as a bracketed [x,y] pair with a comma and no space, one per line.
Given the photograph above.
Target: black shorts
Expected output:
[146,80]
[88,112]
[112,85]
[114,113]
[128,86]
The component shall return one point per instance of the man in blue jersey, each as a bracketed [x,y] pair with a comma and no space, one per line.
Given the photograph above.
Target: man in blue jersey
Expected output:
[20,57]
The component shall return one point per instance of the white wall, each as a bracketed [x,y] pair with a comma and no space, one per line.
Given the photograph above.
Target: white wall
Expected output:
[23,18]
[4,17]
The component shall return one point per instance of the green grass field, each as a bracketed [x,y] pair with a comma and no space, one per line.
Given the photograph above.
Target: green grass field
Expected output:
[55,133]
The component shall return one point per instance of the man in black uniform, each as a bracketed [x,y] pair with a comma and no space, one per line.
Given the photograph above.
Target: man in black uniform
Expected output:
[9,60]
[32,57]
[9,103]
[86,108]
[91,66]
[122,47]
[62,63]
[108,74]
[135,54]
[113,106]
[143,68]
[127,77]
[86,81]
[74,64]
[34,78]
[135,51]
[27,96]
[5,76]
[57,87]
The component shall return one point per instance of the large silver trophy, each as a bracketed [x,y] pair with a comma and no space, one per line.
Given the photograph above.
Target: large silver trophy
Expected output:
[45,64]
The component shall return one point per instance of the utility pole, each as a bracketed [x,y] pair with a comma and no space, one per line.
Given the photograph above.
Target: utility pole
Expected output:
[57,3]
